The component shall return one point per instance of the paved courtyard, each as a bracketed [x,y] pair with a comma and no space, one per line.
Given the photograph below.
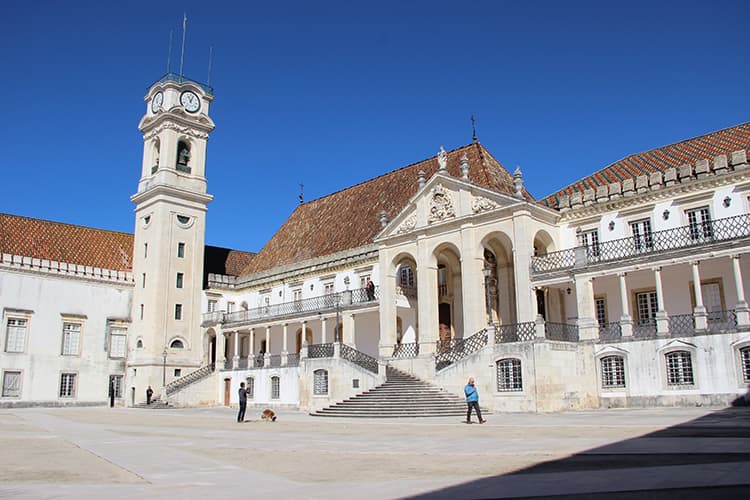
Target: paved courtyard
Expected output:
[204,453]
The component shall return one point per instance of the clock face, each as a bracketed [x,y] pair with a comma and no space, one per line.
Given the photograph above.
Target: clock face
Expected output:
[190,101]
[156,102]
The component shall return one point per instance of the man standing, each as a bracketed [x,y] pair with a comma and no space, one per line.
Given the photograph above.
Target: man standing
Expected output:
[149,393]
[243,403]
[472,401]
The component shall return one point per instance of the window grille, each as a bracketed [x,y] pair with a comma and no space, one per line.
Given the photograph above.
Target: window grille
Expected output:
[68,385]
[71,339]
[509,375]
[601,310]
[15,339]
[745,357]
[250,387]
[275,388]
[11,384]
[679,368]
[116,382]
[117,342]
[613,372]
[320,382]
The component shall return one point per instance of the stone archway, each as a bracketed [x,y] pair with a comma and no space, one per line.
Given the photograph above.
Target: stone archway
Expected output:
[449,292]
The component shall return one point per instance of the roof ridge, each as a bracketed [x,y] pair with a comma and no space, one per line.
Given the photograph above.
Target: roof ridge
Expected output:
[65,224]
[371,179]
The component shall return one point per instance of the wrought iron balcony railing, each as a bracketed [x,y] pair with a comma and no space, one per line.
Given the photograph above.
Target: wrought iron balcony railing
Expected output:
[322,303]
[359,358]
[610,331]
[515,332]
[320,350]
[450,351]
[407,350]
[561,331]
[695,235]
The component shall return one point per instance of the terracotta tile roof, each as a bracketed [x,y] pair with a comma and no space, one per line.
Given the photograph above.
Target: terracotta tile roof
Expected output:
[60,242]
[350,218]
[87,246]
[721,142]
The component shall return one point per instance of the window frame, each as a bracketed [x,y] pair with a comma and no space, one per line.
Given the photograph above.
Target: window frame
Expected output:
[16,316]
[180,280]
[509,375]
[320,382]
[178,312]
[118,328]
[250,387]
[612,378]
[66,335]
[118,385]
[643,243]
[180,249]
[74,386]
[275,387]
[20,384]
[682,383]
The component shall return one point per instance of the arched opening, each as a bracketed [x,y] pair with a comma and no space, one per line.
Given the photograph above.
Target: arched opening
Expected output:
[177,344]
[155,155]
[183,156]
[550,302]
[450,298]
[498,275]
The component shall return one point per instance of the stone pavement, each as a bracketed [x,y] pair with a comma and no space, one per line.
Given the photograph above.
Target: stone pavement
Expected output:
[203,453]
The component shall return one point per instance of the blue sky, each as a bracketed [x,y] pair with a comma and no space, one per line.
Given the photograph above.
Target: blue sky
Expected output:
[330,94]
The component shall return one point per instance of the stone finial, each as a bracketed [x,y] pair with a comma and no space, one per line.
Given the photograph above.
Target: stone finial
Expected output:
[421,178]
[701,169]
[628,187]
[465,167]
[518,182]
[442,158]
[383,219]
[720,164]
[641,183]
[686,171]
[670,176]
[739,159]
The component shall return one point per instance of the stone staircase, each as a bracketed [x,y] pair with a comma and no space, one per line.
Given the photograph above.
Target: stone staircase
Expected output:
[402,395]
[156,404]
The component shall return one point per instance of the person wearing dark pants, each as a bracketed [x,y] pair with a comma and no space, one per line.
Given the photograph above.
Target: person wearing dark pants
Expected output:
[472,401]
[149,393]
[243,403]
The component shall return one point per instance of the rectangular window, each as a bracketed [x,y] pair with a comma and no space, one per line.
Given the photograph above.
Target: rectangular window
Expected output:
[250,387]
[643,239]
[363,279]
[178,372]
[613,372]
[230,307]
[71,339]
[115,382]
[328,288]
[145,250]
[117,342]
[328,291]
[68,385]
[590,240]
[143,280]
[275,387]
[679,368]
[297,297]
[699,222]
[179,279]
[601,310]
[180,250]
[509,376]
[15,335]
[12,384]
[141,311]
[406,277]
[211,306]
[178,311]
[647,305]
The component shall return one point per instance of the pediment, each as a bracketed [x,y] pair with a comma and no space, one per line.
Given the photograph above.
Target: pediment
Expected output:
[610,350]
[444,199]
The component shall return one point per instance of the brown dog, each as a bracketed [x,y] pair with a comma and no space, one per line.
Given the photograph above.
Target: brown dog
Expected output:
[268,415]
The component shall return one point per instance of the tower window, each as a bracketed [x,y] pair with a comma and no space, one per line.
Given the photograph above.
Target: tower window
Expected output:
[177,344]
[183,157]
[141,311]
[179,280]
[178,311]
[145,250]
[143,280]
[180,250]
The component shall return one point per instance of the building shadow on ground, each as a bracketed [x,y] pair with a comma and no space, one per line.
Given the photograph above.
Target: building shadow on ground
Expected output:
[676,462]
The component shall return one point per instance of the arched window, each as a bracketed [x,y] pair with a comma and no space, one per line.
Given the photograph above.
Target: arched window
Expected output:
[250,387]
[183,156]
[509,377]
[320,382]
[745,359]
[155,152]
[139,344]
[679,368]
[275,387]
[613,372]
[177,344]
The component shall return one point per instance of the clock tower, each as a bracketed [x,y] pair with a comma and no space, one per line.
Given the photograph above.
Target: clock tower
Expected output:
[170,219]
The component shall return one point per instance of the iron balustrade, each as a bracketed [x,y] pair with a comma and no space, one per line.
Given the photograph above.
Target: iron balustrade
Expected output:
[561,331]
[321,303]
[320,350]
[212,318]
[719,321]
[515,332]
[243,363]
[450,351]
[188,379]
[407,350]
[292,359]
[610,331]
[259,360]
[690,236]
[274,360]
[359,358]
[681,323]
[644,328]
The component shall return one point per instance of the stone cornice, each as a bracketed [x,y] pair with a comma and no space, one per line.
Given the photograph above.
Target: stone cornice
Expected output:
[65,270]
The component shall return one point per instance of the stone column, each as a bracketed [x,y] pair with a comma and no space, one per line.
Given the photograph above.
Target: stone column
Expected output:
[220,351]
[252,341]
[236,349]
[626,321]
[349,338]
[267,355]
[323,326]
[249,351]
[427,297]
[586,307]
[662,319]
[284,352]
[388,311]
[699,313]
[741,309]
[523,249]
[472,283]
